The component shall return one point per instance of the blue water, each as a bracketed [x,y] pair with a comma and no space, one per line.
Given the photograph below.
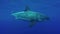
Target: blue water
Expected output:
[9,25]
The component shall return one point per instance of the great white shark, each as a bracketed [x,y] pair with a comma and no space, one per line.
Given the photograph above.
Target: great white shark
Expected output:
[31,16]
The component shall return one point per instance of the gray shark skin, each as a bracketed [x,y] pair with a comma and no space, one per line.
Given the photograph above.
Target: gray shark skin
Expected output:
[31,16]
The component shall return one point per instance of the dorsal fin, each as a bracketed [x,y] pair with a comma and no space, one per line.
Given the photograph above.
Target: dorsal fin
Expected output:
[27,8]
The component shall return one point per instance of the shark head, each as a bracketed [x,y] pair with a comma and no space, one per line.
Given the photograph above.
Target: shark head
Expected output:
[43,18]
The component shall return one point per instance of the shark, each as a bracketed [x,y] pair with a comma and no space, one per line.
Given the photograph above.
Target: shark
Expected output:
[32,16]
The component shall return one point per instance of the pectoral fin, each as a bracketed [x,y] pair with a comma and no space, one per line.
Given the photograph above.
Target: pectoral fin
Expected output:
[32,23]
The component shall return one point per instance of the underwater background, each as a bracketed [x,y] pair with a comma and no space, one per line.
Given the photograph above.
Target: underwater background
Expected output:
[9,25]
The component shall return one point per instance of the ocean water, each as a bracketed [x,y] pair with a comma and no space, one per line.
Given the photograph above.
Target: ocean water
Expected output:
[9,25]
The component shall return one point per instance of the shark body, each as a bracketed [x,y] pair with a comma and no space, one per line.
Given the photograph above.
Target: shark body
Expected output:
[31,16]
